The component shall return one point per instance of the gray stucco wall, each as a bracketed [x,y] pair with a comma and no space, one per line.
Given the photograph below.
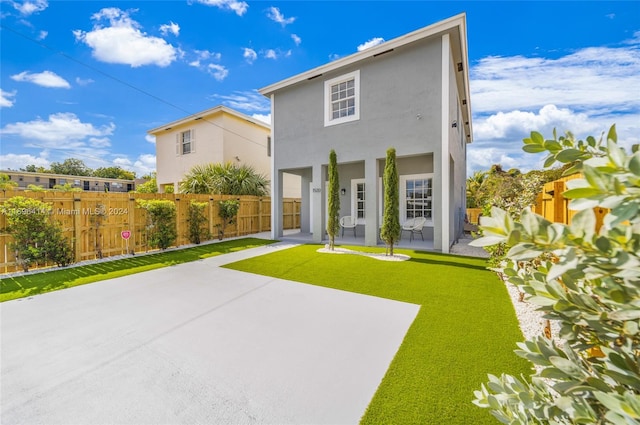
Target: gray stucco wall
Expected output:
[401,106]
[400,96]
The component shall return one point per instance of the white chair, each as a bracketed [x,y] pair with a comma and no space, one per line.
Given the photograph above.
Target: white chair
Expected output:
[414,225]
[348,222]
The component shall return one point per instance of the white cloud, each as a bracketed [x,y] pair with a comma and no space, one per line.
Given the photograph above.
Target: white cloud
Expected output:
[99,142]
[270,54]
[42,35]
[7,98]
[123,42]
[170,28]
[296,39]
[591,78]
[84,82]
[28,7]
[239,7]
[61,130]
[248,101]
[14,161]
[122,162]
[370,43]
[219,72]
[517,123]
[274,14]
[145,164]
[334,56]
[44,79]
[249,54]
[149,138]
[266,118]
[584,92]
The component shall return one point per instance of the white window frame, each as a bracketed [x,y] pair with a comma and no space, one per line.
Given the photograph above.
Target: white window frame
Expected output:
[180,142]
[328,119]
[354,201]
[403,195]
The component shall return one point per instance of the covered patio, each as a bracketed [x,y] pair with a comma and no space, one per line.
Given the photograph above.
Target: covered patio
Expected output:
[295,235]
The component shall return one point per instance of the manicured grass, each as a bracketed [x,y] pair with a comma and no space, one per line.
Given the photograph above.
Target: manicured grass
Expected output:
[38,283]
[465,329]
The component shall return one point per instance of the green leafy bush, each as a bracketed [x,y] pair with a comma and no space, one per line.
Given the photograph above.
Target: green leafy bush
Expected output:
[589,283]
[35,235]
[161,222]
[196,219]
[227,210]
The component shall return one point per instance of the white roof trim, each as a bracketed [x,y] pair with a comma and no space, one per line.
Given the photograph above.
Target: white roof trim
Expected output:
[206,113]
[457,21]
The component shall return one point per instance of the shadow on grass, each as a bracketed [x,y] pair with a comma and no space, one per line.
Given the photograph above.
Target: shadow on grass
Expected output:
[38,283]
[448,263]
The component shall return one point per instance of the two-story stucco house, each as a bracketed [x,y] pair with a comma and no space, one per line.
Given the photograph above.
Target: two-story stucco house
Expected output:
[410,93]
[217,135]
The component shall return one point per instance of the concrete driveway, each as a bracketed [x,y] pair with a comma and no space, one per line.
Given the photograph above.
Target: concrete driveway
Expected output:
[196,344]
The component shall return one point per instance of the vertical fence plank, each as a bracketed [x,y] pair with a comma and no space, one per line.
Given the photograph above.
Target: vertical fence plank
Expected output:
[93,221]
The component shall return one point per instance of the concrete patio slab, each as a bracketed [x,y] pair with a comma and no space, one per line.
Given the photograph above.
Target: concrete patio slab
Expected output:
[196,343]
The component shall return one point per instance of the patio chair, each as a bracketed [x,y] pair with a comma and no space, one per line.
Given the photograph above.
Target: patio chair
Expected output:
[414,225]
[348,222]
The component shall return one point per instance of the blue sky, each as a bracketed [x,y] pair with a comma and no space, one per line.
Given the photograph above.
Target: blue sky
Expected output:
[87,79]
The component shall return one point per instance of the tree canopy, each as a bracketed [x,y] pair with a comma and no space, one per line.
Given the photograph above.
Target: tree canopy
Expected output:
[77,167]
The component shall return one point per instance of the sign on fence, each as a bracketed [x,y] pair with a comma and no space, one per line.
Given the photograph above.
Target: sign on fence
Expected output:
[126,234]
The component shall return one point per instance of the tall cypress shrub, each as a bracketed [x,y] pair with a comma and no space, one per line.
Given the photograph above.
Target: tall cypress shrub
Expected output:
[390,232]
[333,221]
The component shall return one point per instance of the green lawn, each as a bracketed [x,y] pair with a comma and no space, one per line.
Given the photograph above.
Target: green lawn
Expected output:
[38,283]
[465,329]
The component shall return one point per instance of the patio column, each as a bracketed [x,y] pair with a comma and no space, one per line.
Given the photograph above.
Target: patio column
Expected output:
[276,205]
[445,182]
[305,196]
[371,174]
[317,197]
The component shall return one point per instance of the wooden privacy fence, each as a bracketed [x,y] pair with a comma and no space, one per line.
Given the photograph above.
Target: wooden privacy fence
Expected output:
[550,204]
[94,221]
[554,207]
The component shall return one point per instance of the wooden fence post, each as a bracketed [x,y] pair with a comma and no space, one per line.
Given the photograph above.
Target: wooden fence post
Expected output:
[131,216]
[559,207]
[259,214]
[77,229]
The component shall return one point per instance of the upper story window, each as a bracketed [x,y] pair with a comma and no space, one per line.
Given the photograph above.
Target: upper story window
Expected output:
[342,99]
[186,142]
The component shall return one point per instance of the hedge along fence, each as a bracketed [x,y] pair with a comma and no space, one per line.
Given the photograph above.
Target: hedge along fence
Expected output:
[94,221]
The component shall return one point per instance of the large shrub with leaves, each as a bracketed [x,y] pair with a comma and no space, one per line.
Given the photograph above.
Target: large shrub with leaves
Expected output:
[227,211]
[36,237]
[161,217]
[589,283]
[196,220]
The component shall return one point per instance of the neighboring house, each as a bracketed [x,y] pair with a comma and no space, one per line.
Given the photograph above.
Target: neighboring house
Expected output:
[410,93]
[217,135]
[88,183]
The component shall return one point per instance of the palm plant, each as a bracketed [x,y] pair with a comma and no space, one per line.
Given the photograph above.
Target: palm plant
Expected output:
[474,183]
[224,179]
